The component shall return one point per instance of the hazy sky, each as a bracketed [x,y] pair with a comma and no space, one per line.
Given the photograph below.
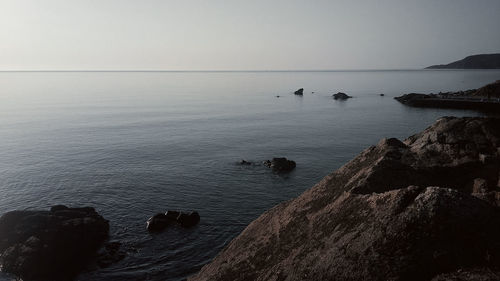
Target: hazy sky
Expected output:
[243,35]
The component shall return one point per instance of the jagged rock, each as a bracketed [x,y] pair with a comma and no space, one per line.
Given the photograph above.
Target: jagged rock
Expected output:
[398,211]
[280,164]
[299,92]
[50,245]
[341,96]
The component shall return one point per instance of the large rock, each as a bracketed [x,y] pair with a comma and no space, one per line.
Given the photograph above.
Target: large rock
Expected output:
[280,165]
[398,211]
[50,245]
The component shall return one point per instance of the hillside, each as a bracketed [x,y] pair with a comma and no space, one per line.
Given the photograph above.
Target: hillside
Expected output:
[483,61]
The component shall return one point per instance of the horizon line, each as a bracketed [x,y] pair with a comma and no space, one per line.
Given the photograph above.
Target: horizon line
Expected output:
[208,70]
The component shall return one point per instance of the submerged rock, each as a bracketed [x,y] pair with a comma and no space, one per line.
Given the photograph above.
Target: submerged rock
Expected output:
[398,211]
[244,162]
[299,92]
[50,245]
[280,164]
[111,253]
[341,96]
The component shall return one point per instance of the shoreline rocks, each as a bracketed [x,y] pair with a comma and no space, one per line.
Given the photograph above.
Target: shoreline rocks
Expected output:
[486,98]
[50,245]
[419,209]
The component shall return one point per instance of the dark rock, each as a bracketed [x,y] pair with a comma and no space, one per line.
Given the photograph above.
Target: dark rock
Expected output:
[158,222]
[397,211]
[50,245]
[299,92]
[280,164]
[277,96]
[188,220]
[244,162]
[340,96]
[382,95]
[172,215]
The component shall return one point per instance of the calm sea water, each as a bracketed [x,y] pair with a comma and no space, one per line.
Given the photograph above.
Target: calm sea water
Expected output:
[132,144]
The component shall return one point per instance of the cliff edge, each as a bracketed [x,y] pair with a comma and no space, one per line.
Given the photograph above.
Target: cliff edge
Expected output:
[422,209]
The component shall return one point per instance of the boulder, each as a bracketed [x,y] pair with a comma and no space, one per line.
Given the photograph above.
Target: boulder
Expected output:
[299,92]
[160,221]
[50,245]
[340,96]
[398,211]
[280,164]
[188,220]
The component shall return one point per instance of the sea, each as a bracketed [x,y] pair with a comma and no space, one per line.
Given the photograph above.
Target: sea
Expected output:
[136,143]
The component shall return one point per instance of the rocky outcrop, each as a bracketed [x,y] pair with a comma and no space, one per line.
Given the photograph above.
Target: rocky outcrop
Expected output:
[419,209]
[341,96]
[280,165]
[491,90]
[483,61]
[486,98]
[50,245]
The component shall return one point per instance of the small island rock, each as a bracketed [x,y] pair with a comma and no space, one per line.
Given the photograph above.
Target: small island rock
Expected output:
[280,164]
[341,96]
[299,92]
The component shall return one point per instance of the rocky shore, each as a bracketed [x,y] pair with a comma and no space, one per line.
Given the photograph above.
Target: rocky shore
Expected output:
[426,208]
[486,98]
[56,244]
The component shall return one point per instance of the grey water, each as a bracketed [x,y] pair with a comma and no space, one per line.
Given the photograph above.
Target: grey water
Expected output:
[132,144]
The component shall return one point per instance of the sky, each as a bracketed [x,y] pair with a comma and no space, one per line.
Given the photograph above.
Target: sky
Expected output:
[243,35]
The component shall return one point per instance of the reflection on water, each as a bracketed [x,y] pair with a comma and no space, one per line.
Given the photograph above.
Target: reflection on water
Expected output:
[134,144]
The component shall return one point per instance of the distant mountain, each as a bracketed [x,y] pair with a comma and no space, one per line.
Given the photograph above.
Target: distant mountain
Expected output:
[485,61]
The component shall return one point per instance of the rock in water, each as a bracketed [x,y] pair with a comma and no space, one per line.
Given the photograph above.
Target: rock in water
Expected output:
[280,164]
[341,96]
[50,245]
[188,220]
[398,211]
[158,222]
[299,92]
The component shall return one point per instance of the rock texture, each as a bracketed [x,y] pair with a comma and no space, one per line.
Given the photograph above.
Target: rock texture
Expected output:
[484,61]
[398,211]
[50,245]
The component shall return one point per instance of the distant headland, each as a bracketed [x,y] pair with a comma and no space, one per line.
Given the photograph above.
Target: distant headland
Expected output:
[483,61]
